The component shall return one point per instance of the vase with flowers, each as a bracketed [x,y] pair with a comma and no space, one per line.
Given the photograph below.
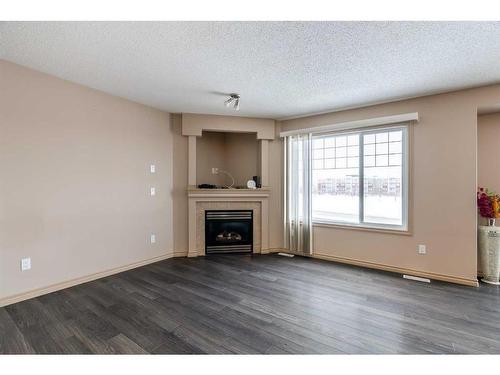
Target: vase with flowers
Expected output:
[488,204]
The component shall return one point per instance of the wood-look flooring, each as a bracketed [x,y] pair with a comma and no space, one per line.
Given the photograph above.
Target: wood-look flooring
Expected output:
[255,304]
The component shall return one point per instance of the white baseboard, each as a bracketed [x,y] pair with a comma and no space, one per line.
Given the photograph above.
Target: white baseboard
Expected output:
[178,254]
[276,250]
[384,267]
[80,280]
[196,254]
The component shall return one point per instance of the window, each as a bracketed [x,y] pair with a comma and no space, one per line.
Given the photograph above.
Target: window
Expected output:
[360,178]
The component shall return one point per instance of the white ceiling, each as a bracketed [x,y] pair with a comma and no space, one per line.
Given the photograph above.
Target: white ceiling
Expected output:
[281,69]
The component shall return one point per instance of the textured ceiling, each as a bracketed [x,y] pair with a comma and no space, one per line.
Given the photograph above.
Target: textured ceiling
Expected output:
[281,69]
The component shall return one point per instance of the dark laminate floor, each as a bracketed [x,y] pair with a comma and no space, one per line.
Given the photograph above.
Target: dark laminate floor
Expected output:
[260,304]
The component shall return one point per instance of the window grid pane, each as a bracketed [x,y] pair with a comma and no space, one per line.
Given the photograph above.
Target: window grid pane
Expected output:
[383,174]
[369,138]
[330,142]
[317,143]
[336,170]
[329,153]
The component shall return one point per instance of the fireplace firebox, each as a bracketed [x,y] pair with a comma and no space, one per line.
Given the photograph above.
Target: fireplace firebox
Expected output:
[228,231]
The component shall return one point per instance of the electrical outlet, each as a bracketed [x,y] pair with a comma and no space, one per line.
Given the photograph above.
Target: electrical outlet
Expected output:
[25,264]
[153,238]
[152,168]
[153,191]
[422,249]
[215,170]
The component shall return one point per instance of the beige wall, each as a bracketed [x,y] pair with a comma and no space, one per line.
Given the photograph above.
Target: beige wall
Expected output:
[488,168]
[443,212]
[74,191]
[236,153]
[488,152]
[210,152]
[242,156]
[179,193]
[195,124]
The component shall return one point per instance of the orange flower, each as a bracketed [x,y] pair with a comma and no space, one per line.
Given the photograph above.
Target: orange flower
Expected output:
[495,206]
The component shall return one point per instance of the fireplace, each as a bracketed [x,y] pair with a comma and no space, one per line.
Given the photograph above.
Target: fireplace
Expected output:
[228,231]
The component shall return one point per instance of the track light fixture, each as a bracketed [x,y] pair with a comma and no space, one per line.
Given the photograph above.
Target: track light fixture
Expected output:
[234,100]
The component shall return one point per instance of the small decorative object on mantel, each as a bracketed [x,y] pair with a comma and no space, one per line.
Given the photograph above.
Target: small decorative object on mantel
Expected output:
[257,181]
[489,236]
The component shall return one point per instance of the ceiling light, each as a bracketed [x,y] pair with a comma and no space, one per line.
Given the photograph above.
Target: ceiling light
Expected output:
[234,100]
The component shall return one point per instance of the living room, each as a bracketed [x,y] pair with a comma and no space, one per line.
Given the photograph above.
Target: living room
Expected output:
[249,187]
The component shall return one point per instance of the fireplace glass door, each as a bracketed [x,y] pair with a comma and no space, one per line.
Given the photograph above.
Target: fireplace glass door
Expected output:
[228,231]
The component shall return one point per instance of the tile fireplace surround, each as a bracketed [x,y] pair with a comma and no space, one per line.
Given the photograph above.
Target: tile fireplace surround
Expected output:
[200,200]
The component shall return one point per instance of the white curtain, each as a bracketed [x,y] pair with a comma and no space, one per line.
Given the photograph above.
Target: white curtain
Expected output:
[298,223]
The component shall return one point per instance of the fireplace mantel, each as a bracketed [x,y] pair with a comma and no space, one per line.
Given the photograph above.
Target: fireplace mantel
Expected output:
[227,193]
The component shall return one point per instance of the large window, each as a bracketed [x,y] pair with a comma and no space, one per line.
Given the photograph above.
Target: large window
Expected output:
[360,178]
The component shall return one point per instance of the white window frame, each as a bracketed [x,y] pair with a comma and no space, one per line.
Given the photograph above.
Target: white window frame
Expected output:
[404,227]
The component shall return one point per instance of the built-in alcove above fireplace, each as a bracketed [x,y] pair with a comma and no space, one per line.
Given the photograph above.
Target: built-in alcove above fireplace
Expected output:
[236,153]
[240,146]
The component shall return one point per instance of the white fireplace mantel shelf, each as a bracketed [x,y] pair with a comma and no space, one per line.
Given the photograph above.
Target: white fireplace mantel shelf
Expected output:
[228,193]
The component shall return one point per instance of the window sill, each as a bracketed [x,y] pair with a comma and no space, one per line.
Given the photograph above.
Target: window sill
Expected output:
[403,232]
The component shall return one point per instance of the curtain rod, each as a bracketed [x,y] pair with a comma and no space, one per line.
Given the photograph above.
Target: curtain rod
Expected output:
[356,124]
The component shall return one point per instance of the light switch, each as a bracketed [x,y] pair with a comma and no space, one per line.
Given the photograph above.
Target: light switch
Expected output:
[422,249]
[153,191]
[153,238]
[25,264]
[152,168]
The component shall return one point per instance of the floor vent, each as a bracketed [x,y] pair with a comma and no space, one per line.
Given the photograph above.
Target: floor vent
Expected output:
[416,278]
